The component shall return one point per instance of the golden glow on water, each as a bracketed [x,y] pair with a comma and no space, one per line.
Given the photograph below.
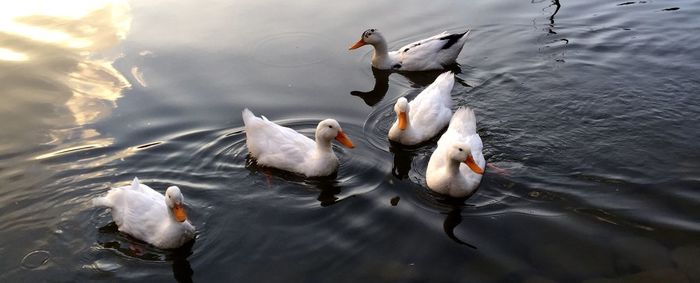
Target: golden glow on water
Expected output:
[42,34]
[64,8]
[7,54]
[94,82]
[61,54]
[138,75]
[69,150]
[65,23]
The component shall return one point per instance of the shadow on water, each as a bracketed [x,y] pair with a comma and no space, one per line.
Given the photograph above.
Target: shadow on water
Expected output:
[110,238]
[416,79]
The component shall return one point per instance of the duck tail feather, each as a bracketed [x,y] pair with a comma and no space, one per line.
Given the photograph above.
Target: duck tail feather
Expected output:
[465,117]
[135,183]
[101,201]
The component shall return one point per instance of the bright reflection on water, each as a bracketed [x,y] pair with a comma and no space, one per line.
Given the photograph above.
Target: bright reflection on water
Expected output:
[589,108]
[51,70]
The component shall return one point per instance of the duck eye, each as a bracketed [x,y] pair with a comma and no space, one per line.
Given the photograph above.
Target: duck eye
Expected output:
[460,149]
[330,126]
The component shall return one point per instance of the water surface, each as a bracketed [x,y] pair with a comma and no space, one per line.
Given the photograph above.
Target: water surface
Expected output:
[589,107]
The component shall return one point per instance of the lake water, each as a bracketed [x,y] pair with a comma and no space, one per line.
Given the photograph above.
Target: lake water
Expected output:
[590,108]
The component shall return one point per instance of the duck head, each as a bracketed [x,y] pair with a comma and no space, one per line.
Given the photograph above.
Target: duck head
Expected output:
[370,36]
[461,152]
[174,200]
[401,109]
[330,129]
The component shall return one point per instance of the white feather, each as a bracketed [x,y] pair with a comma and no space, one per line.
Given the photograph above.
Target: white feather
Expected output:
[142,213]
[462,182]
[428,113]
[283,148]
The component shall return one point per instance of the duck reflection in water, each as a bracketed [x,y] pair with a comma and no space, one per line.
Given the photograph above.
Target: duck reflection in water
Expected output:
[417,79]
[182,271]
[404,155]
[110,238]
[402,162]
[329,190]
[453,219]
[381,86]
[452,209]
[328,186]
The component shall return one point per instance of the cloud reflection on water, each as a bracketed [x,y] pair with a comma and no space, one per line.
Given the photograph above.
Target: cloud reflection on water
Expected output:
[56,60]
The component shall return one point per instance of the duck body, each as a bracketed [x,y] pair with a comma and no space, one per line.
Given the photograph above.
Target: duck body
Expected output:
[434,53]
[145,214]
[280,147]
[457,164]
[427,114]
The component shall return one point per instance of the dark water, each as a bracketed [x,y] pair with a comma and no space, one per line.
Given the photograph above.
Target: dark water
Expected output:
[591,108]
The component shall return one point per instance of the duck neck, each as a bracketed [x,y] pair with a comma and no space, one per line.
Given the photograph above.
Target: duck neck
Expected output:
[171,215]
[323,145]
[380,57]
[453,167]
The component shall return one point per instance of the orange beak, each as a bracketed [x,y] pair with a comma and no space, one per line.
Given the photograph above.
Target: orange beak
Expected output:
[358,44]
[179,212]
[403,120]
[472,165]
[342,138]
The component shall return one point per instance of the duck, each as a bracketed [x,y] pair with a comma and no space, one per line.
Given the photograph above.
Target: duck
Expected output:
[456,166]
[433,53]
[280,147]
[426,115]
[147,215]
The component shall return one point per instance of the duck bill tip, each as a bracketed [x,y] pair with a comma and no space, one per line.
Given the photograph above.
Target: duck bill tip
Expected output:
[403,120]
[357,44]
[472,165]
[344,140]
[179,213]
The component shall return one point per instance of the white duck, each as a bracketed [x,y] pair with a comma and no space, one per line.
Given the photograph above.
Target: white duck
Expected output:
[147,215]
[457,164]
[281,147]
[432,53]
[427,114]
